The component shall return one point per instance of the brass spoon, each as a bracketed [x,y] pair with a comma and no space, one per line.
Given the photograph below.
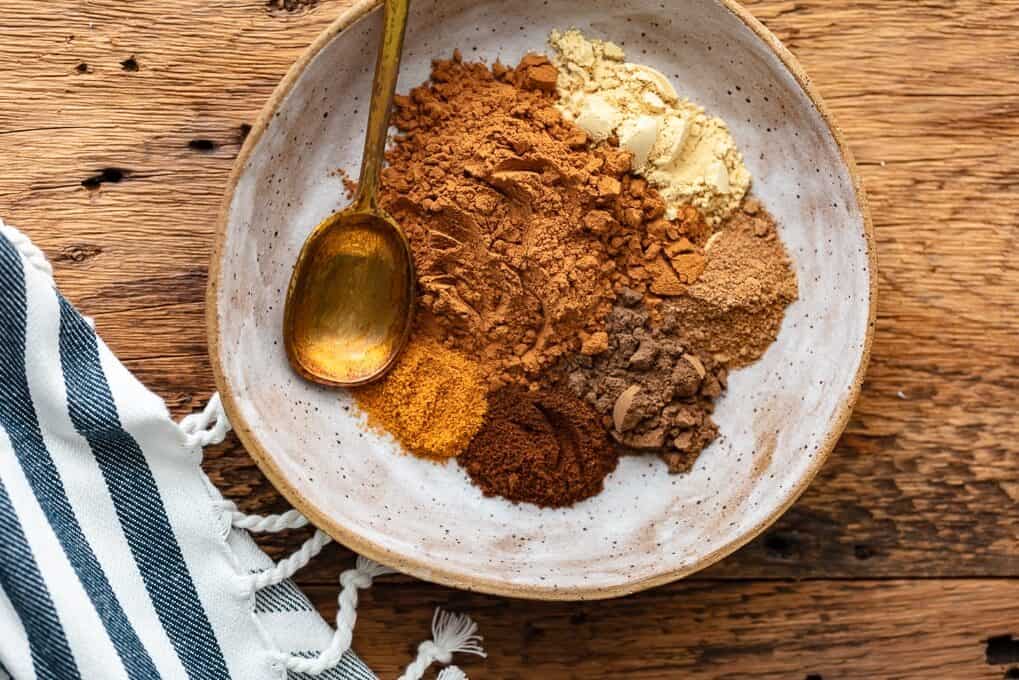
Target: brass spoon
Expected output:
[350,301]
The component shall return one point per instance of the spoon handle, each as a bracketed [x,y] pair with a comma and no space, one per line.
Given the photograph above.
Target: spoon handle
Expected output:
[387,68]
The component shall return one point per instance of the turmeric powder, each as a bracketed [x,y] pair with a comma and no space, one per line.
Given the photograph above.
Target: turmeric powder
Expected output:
[433,401]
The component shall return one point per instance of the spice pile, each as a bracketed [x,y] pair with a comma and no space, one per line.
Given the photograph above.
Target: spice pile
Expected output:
[542,446]
[652,394]
[589,269]
[495,191]
[429,386]
[688,155]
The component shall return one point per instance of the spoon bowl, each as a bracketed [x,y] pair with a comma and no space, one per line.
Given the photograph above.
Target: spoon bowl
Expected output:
[351,295]
[350,300]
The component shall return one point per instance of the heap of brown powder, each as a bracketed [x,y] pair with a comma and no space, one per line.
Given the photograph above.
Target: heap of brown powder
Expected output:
[510,214]
[544,447]
[654,395]
[735,308]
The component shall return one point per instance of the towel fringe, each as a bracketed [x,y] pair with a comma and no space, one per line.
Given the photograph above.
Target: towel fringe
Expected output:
[451,632]
[352,580]
[208,426]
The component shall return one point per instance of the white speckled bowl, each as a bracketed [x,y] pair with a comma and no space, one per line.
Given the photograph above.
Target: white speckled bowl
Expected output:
[779,419]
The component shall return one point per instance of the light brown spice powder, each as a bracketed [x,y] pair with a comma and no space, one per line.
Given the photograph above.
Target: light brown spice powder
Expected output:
[735,308]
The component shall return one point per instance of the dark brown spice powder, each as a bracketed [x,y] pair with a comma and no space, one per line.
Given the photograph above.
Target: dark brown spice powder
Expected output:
[544,447]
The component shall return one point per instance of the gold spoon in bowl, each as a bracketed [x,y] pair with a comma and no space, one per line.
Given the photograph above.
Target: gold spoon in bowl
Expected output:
[350,302]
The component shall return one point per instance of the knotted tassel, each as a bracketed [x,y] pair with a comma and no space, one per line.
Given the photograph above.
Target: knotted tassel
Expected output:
[451,633]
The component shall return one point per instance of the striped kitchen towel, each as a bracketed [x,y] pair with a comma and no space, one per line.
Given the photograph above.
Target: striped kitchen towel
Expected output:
[118,558]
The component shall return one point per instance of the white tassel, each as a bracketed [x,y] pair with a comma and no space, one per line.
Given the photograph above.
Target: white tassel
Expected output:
[362,575]
[262,524]
[451,633]
[452,673]
[454,632]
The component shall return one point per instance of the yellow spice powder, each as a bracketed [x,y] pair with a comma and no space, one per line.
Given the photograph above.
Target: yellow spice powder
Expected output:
[433,401]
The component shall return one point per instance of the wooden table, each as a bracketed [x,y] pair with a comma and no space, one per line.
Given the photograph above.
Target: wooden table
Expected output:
[120,121]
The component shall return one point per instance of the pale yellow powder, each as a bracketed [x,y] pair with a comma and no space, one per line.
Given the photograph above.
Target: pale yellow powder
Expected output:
[689,156]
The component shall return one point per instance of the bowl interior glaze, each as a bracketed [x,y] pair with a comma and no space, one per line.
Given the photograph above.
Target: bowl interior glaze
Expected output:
[779,419]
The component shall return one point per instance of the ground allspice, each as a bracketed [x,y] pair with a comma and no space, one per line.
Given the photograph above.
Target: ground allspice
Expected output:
[545,447]
[433,401]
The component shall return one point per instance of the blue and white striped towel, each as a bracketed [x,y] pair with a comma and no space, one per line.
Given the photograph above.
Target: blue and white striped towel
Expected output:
[118,558]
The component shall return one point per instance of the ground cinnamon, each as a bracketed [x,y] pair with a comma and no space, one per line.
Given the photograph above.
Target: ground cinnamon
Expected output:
[510,214]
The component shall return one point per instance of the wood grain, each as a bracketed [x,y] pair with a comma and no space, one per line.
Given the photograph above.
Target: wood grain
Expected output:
[842,630]
[117,174]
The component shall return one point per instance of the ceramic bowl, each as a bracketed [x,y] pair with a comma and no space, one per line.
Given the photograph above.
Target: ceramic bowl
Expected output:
[779,419]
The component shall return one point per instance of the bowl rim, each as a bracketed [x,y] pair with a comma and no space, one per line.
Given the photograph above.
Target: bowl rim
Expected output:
[416,565]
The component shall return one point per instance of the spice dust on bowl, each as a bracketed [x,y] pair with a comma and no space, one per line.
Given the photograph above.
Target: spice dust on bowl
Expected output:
[588,253]
[644,287]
